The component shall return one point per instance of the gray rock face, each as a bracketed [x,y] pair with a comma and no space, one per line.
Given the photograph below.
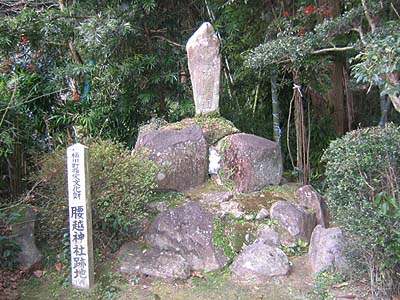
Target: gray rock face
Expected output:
[135,258]
[259,262]
[311,199]
[187,230]
[204,61]
[182,156]
[250,162]
[23,232]
[299,222]
[326,249]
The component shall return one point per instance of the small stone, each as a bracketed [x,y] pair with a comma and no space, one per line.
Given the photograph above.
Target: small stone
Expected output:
[269,236]
[262,214]
[158,206]
[214,161]
[259,262]
[231,207]
[217,197]
[249,217]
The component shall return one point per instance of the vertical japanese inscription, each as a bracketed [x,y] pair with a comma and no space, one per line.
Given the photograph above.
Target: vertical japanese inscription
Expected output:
[80,217]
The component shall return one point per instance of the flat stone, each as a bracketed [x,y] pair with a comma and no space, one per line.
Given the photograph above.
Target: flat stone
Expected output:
[137,258]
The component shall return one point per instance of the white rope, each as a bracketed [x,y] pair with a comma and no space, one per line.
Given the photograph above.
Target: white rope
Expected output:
[298,88]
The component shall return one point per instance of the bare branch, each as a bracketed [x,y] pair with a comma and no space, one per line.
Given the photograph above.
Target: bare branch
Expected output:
[360,32]
[334,49]
[14,7]
[167,40]
[367,15]
[395,10]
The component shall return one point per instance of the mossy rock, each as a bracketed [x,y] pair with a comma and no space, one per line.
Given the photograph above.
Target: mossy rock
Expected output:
[214,127]
[242,234]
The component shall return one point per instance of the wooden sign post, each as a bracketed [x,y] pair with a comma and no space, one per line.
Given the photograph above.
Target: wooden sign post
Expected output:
[80,217]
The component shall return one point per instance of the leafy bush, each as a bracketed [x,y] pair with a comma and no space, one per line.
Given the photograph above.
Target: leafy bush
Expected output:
[323,281]
[9,249]
[121,186]
[362,174]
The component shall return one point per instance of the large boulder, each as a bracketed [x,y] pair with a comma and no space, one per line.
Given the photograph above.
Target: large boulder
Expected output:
[326,249]
[308,197]
[187,230]
[182,156]
[250,162]
[137,258]
[259,262]
[204,61]
[23,230]
[298,221]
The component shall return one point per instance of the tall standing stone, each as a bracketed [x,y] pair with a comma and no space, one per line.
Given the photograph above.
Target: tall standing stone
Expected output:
[204,62]
[30,256]
[80,217]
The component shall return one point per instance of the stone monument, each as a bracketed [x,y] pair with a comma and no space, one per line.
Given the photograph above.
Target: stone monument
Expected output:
[204,62]
[80,217]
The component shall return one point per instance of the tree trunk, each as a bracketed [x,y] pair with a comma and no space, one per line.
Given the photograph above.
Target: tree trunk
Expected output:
[16,171]
[275,108]
[349,98]
[302,137]
[336,97]
[163,106]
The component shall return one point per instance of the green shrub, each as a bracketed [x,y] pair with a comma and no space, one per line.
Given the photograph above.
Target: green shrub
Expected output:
[362,174]
[121,186]
[9,249]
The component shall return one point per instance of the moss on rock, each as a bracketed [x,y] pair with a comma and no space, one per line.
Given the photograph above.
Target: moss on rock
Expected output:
[214,128]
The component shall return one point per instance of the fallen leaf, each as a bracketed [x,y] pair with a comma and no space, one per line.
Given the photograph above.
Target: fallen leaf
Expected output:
[198,275]
[338,286]
[58,266]
[38,273]
[348,296]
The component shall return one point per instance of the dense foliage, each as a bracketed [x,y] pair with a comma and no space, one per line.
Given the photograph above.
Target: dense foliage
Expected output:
[362,176]
[120,186]
[9,249]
